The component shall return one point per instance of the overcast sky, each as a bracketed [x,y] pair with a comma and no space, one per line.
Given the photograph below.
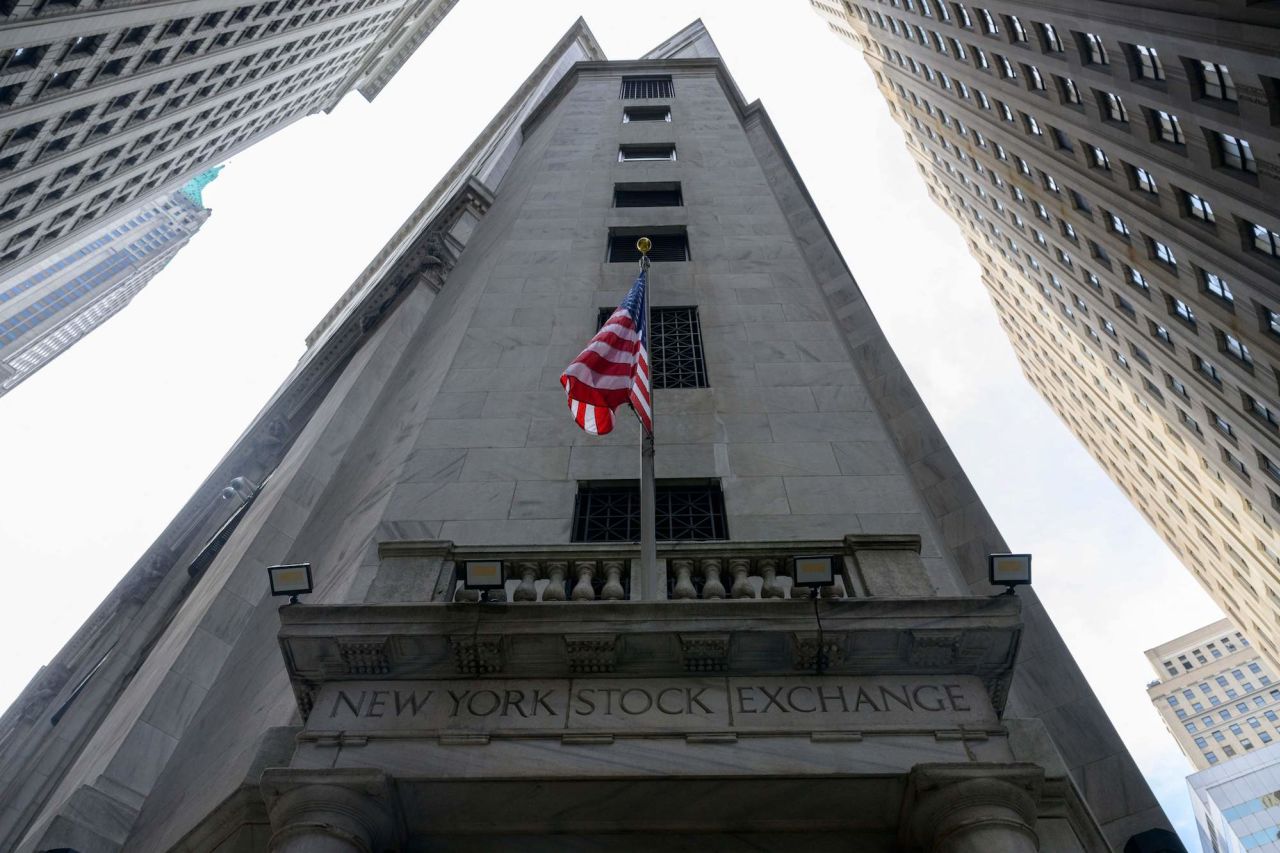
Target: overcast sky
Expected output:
[104,446]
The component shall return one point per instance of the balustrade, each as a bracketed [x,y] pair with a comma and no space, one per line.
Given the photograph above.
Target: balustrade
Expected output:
[750,571]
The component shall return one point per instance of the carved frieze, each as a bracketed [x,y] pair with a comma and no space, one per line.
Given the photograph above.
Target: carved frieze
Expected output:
[705,652]
[475,654]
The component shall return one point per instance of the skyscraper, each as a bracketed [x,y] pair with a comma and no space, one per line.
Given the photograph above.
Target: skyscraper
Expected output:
[1237,802]
[1115,170]
[47,307]
[1215,694]
[106,105]
[1220,701]
[423,445]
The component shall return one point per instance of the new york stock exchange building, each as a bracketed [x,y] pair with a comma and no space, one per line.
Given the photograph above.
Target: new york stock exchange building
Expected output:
[485,663]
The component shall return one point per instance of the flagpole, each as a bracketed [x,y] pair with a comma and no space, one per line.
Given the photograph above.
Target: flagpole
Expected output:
[648,488]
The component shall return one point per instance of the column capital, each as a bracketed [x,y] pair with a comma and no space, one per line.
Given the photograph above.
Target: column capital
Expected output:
[979,806]
[340,810]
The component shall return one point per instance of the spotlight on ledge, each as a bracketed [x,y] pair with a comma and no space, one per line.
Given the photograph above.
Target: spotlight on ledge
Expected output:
[814,572]
[1009,570]
[293,580]
[484,576]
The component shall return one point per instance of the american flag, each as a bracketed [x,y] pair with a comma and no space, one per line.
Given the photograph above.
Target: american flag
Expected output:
[614,368]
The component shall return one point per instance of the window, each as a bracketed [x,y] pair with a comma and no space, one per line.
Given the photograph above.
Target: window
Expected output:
[1235,348]
[1099,158]
[630,153]
[677,355]
[1049,36]
[647,195]
[672,246]
[646,87]
[1273,470]
[1144,180]
[630,114]
[1197,207]
[1215,81]
[1168,128]
[989,25]
[1034,80]
[1147,63]
[1114,107]
[1163,253]
[1206,369]
[611,512]
[1117,225]
[1070,92]
[1182,311]
[1095,53]
[1017,32]
[1233,152]
[1138,280]
[1222,425]
[1216,285]
[1265,240]
[1270,320]
[1007,70]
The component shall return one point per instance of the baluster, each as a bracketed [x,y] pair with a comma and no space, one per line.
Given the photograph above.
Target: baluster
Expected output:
[554,590]
[772,587]
[684,579]
[582,590]
[526,591]
[741,586]
[711,586]
[612,590]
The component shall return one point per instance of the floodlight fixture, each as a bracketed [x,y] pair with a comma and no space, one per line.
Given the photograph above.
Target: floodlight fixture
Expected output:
[813,572]
[483,575]
[292,579]
[1009,570]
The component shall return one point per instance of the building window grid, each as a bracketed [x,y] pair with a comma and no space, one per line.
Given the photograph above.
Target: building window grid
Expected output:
[611,513]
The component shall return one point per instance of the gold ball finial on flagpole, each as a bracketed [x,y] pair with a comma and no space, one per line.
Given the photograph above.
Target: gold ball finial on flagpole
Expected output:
[644,244]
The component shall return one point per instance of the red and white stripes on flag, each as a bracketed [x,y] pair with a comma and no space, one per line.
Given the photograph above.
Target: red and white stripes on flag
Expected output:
[614,368]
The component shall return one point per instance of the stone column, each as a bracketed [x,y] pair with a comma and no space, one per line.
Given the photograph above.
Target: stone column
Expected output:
[331,811]
[974,808]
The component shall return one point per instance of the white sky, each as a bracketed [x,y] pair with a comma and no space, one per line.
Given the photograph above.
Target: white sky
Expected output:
[103,446]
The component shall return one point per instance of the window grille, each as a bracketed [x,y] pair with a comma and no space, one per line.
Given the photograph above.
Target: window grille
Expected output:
[685,512]
[631,114]
[647,87]
[647,195]
[676,358]
[666,247]
[628,153]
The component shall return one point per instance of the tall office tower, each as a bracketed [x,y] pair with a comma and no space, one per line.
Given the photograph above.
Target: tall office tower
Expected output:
[589,702]
[1115,170]
[105,104]
[1237,803]
[1216,695]
[48,306]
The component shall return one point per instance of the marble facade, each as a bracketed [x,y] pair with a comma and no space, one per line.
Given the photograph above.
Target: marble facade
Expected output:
[707,704]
